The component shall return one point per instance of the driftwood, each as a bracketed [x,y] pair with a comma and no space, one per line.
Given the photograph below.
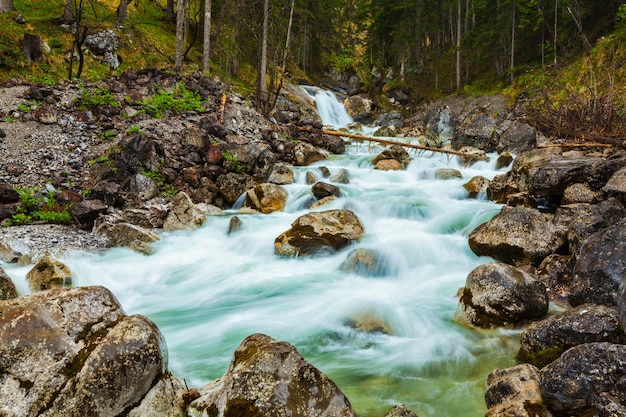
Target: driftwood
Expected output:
[388,142]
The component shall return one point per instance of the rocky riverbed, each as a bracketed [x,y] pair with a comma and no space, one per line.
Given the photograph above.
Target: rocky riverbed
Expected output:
[123,175]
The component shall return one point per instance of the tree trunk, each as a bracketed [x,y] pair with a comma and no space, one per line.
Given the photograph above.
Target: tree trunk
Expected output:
[122,10]
[206,50]
[262,82]
[6,6]
[180,32]
[171,14]
[458,45]
[512,43]
[579,26]
[68,13]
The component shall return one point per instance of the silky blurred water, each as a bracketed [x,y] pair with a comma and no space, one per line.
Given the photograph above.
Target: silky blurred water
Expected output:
[207,290]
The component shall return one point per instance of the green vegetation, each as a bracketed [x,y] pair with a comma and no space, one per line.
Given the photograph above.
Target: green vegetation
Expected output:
[133,129]
[168,189]
[179,100]
[35,206]
[90,99]
[231,161]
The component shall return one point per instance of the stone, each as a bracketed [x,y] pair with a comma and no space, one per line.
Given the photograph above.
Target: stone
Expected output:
[555,272]
[518,235]
[369,323]
[49,273]
[9,254]
[232,185]
[621,303]
[183,214]
[143,186]
[266,198]
[400,410]
[281,174]
[319,233]
[8,194]
[123,234]
[448,174]
[306,154]
[504,160]
[517,137]
[369,263]
[588,379]
[7,287]
[395,152]
[323,189]
[310,177]
[514,392]
[359,108]
[85,213]
[600,266]
[234,225]
[393,118]
[75,352]
[471,155]
[101,42]
[477,186]
[389,165]
[497,294]
[544,341]
[342,177]
[270,378]
[616,185]
[578,193]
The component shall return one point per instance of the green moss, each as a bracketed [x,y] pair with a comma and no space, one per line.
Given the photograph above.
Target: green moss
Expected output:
[541,357]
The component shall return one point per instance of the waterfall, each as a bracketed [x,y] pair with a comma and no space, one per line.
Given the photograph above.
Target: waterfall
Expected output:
[207,290]
[332,112]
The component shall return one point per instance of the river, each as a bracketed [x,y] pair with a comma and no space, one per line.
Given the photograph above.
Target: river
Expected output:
[207,290]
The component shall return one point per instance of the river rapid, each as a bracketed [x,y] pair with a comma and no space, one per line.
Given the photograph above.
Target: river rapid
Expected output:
[207,289]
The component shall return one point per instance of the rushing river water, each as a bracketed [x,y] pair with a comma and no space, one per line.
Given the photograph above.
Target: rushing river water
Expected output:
[208,290]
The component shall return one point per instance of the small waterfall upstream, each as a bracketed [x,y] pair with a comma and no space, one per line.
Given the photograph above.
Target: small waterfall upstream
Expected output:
[207,290]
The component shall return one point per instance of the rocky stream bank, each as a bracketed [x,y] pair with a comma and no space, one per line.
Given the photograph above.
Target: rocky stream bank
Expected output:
[124,175]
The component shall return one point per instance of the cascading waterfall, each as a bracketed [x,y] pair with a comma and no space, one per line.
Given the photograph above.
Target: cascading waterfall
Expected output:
[329,109]
[207,290]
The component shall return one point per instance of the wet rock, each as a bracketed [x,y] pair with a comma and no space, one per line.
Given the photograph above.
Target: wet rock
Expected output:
[7,287]
[311,177]
[497,294]
[516,137]
[385,132]
[368,262]
[150,216]
[514,392]
[555,272]
[319,233]
[518,235]
[324,189]
[448,174]
[272,379]
[123,234]
[183,214]
[395,152]
[9,254]
[234,225]
[165,399]
[504,160]
[49,273]
[266,198]
[600,266]
[75,352]
[578,193]
[586,379]
[322,201]
[472,155]
[86,212]
[616,185]
[393,118]
[477,130]
[400,410]
[231,186]
[306,154]
[544,341]
[389,165]
[476,186]
[341,177]
[359,108]
[281,174]
[370,324]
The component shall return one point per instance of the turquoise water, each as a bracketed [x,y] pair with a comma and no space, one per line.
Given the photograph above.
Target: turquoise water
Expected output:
[208,290]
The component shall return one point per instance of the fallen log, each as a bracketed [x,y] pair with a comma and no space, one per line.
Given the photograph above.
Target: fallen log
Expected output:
[387,142]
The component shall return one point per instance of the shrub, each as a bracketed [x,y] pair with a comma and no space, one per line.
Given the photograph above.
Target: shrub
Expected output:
[178,100]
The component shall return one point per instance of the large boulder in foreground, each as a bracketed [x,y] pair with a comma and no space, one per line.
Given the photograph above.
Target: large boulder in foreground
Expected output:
[270,378]
[588,379]
[518,235]
[319,233]
[544,341]
[514,392]
[74,352]
[497,294]
[600,266]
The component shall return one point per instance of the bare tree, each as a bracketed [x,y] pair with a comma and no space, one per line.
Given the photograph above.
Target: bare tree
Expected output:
[68,13]
[262,81]
[6,6]
[206,51]
[180,33]
[122,11]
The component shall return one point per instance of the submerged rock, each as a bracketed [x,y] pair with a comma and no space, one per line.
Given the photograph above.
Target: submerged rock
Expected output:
[270,378]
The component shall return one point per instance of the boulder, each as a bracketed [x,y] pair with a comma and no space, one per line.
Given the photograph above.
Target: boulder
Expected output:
[266,198]
[600,266]
[395,152]
[555,272]
[232,185]
[323,189]
[368,263]
[48,273]
[281,174]
[319,233]
[518,235]
[74,352]
[150,216]
[476,186]
[101,42]
[270,378]
[124,234]
[9,254]
[448,174]
[342,177]
[497,294]
[85,213]
[514,392]
[516,137]
[400,410]
[588,379]
[8,194]
[578,193]
[143,186]
[255,159]
[472,155]
[477,130]
[616,185]
[234,225]
[306,154]
[359,108]
[621,302]
[389,165]
[183,214]
[393,118]
[504,160]
[7,287]
[544,341]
